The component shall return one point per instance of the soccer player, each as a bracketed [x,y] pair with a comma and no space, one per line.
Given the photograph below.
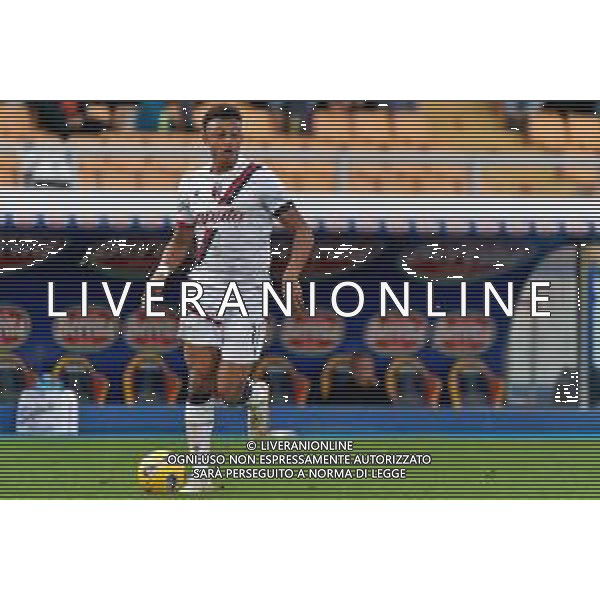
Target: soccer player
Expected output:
[226,214]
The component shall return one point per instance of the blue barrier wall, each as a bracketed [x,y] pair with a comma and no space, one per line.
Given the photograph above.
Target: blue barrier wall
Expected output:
[344,422]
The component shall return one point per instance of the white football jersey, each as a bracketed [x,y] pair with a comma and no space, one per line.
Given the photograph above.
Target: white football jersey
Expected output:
[233,240]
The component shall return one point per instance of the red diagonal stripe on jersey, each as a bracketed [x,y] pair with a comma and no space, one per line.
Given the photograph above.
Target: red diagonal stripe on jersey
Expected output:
[227,198]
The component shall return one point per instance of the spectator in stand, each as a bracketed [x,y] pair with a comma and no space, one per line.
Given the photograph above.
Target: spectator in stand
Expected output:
[64,117]
[148,116]
[517,113]
[51,165]
[57,117]
[113,107]
[186,115]
[296,115]
[159,115]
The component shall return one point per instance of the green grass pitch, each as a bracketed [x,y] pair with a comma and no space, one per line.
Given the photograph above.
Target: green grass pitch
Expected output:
[493,468]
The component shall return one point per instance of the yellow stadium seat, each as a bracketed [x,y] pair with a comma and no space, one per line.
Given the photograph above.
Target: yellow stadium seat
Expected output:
[443,180]
[122,172]
[159,173]
[385,179]
[90,171]
[584,131]
[98,111]
[9,170]
[370,128]
[580,180]
[16,121]
[525,180]
[363,180]
[331,127]
[304,178]
[411,129]
[125,117]
[548,129]
[500,180]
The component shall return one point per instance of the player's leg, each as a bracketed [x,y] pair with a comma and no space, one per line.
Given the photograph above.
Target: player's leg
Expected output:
[232,381]
[201,342]
[243,343]
[202,363]
[235,385]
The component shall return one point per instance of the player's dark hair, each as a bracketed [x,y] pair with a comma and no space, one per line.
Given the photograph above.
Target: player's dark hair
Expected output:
[222,111]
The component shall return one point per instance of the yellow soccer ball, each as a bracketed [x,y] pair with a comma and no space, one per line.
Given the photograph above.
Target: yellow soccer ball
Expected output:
[156,475]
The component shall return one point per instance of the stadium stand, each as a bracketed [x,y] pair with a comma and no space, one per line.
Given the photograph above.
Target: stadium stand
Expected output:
[447,137]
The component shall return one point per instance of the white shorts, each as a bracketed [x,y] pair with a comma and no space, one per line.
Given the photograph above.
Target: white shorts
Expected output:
[240,339]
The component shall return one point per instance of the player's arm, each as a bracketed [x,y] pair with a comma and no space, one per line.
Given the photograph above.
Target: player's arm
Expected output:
[301,252]
[182,238]
[303,242]
[174,253]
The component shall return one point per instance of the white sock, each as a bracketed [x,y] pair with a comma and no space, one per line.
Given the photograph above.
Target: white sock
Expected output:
[199,426]
[258,409]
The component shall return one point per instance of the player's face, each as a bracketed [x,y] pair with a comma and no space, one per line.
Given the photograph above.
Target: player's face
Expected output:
[224,137]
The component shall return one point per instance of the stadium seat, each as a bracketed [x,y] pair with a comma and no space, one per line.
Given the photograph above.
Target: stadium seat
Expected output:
[363,179]
[439,180]
[546,181]
[91,169]
[441,122]
[583,132]
[262,128]
[16,121]
[411,129]
[548,129]
[370,129]
[124,118]
[78,373]
[471,384]
[148,379]
[348,378]
[122,172]
[97,111]
[579,180]
[161,173]
[9,170]
[285,382]
[331,128]
[308,178]
[524,180]
[404,179]
[409,383]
